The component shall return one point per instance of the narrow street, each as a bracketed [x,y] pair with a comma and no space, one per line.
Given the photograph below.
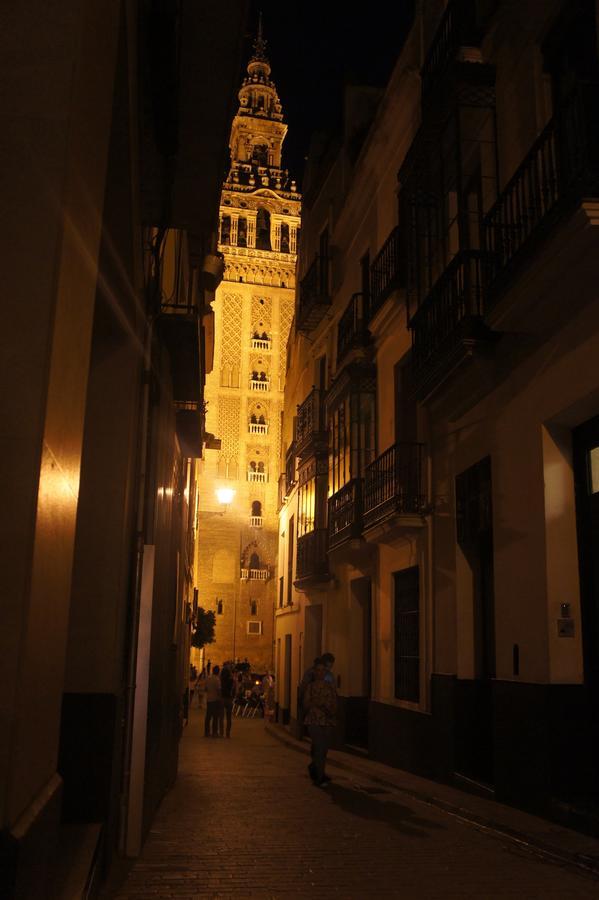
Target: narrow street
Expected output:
[244,821]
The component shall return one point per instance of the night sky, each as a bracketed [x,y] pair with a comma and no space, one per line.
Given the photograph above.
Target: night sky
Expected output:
[315,48]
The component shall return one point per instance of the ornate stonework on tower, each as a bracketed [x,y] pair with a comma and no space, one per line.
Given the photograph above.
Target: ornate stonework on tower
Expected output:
[258,236]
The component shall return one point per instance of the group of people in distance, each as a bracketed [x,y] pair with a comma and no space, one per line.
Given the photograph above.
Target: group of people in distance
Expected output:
[317,704]
[225,686]
[318,711]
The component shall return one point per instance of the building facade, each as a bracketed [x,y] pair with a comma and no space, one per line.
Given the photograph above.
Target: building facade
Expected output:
[437,528]
[111,208]
[259,222]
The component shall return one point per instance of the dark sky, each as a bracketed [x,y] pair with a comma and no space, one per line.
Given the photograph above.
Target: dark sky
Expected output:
[315,48]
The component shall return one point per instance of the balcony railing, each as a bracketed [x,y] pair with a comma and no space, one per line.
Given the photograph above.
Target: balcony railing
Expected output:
[352,331]
[259,384]
[462,25]
[394,484]
[258,428]
[450,317]
[260,343]
[253,475]
[311,558]
[290,467]
[314,295]
[261,574]
[282,489]
[345,513]
[310,425]
[256,521]
[385,271]
[561,166]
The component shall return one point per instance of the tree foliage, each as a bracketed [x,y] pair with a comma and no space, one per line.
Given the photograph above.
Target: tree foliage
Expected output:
[203,632]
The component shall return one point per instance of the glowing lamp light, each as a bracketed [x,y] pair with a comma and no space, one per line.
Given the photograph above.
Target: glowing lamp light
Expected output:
[225,495]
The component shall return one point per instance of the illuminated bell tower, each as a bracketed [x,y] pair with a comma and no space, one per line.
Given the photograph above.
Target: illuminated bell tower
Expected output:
[258,232]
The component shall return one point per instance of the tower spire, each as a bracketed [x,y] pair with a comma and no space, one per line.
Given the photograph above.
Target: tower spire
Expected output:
[259,54]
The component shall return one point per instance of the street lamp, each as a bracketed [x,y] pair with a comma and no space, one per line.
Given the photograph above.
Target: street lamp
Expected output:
[225,496]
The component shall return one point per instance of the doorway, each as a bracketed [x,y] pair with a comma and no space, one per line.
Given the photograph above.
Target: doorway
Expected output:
[474,707]
[358,711]
[585,457]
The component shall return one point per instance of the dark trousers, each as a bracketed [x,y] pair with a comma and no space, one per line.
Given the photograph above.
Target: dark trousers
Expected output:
[213,714]
[322,737]
[226,712]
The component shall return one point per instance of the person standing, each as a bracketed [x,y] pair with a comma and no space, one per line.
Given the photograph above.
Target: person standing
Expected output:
[320,704]
[213,704]
[227,689]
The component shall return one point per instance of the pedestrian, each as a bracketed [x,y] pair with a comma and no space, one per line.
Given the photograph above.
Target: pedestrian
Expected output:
[268,692]
[320,703]
[328,660]
[213,704]
[227,690]
[208,667]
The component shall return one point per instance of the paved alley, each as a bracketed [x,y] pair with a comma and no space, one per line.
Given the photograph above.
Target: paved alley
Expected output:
[245,821]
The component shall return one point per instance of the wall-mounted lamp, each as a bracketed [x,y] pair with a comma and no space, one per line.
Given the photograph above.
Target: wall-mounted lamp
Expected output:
[225,496]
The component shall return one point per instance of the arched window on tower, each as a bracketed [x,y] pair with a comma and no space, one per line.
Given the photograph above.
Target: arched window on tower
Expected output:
[219,607]
[242,232]
[263,229]
[256,508]
[254,561]
[253,607]
[284,238]
[225,230]
[260,155]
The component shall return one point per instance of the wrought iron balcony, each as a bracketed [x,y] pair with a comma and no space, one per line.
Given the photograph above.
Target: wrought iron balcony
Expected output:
[462,25]
[394,484]
[385,271]
[311,559]
[314,295]
[352,331]
[190,428]
[345,513]
[449,323]
[561,168]
[290,467]
[282,490]
[310,427]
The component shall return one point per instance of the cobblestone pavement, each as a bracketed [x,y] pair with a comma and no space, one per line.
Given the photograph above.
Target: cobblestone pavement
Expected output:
[244,820]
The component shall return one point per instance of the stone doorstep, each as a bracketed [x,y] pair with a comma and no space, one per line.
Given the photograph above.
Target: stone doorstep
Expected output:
[530,833]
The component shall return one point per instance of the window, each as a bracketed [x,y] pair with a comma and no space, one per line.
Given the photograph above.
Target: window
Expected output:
[219,607]
[290,547]
[281,591]
[253,607]
[256,508]
[263,229]
[407,634]
[254,627]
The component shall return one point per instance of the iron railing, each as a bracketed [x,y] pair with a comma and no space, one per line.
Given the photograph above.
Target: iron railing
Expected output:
[462,24]
[314,294]
[454,301]
[385,271]
[394,484]
[311,558]
[351,330]
[310,420]
[561,166]
[345,513]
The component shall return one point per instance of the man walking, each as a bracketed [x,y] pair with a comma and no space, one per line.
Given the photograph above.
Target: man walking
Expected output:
[320,703]
[213,704]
